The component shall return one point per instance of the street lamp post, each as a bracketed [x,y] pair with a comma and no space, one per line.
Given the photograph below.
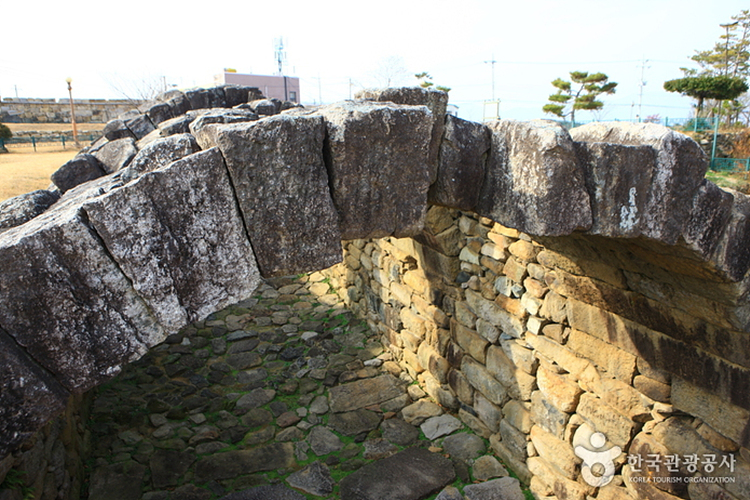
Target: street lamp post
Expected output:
[73,113]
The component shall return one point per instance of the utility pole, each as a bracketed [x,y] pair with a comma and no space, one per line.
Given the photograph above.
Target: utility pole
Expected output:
[492,62]
[73,113]
[641,85]
[726,50]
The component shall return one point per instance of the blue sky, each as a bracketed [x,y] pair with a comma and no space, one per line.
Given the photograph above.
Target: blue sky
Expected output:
[340,46]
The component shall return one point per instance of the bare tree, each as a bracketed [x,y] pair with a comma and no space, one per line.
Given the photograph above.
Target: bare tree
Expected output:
[391,72]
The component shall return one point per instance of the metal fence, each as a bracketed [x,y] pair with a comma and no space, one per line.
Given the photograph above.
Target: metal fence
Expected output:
[33,141]
[730,164]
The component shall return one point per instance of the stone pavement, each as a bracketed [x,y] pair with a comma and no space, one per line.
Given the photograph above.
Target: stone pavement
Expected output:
[283,396]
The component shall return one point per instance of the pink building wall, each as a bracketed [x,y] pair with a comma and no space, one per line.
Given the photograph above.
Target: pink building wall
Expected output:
[285,88]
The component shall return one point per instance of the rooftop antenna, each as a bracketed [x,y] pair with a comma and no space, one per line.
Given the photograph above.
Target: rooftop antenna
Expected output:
[280,54]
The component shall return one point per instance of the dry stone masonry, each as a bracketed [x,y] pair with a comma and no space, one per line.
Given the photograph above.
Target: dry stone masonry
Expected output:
[562,293]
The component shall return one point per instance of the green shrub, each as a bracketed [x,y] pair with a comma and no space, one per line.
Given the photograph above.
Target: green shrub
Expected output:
[5,132]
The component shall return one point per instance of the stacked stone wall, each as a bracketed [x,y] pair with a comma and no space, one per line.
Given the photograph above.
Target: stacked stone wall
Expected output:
[534,346]
[50,465]
[58,111]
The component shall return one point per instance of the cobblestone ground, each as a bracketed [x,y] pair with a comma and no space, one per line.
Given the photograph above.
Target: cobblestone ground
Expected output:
[283,395]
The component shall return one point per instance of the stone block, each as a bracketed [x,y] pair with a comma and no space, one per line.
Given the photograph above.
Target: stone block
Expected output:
[605,419]
[547,416]
[558,390]
[487,330]
[29,395]
[494,314]
[159,154]
[518,415]
[524,251]
[534,164]
[115,155]
[379,194]
[647,193]
[520,355]
[435,100]
[645,446]
[617,362]
[433,362]
[556,452]
[461,386]
[140,126]
[93,321]
[24,207]
[562,355]
[519,383]
[82,168]
[514,440]
[515,463]
[726,418]
[561,486]
[512,306]
[464,315]
[652,389]
[277,169]
[489,414]
[514,270]
[463,154]
[483,381]
[184,249]
[470,341]
[553,308]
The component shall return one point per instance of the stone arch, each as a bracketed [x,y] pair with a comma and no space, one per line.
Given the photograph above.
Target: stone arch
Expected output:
[197,207]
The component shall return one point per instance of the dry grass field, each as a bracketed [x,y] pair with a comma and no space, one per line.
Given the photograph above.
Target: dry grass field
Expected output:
[23,170]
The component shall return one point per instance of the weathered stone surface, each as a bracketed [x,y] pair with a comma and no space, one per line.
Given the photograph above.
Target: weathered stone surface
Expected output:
[464,446]
[558,390]
[555,451]
[534,165]
[159,154]
[519,384]
[399,432]
[461,169]
[266,492]
[413,474]
[314,479]
[277,168]
[239,94]
[668,195]
[186,253]
[264,107]
[116,129]
[724,417]
[494,314]
[730,254]
[547,416]
[206,98]
[483,381]
[420,411]
[605,419]
[379,173]
[435,427]
[364,392]
[487,467]
[24,207]
[435,100]
[117,154]
[121,481]
[233,463]
[255,398]
[355,422]
[140,126]
[29,395]
[168,467]
[505,488]
[323,441]
[82,168]
[205,134]
[93,320]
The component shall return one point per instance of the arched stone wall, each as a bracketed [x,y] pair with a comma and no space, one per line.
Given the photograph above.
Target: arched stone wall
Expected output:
[642,254]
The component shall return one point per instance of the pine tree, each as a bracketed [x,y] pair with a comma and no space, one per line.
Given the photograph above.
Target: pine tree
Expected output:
[568,99]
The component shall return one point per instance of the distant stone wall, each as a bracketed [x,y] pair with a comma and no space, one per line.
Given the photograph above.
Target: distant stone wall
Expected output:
[14,110]
[566,293]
